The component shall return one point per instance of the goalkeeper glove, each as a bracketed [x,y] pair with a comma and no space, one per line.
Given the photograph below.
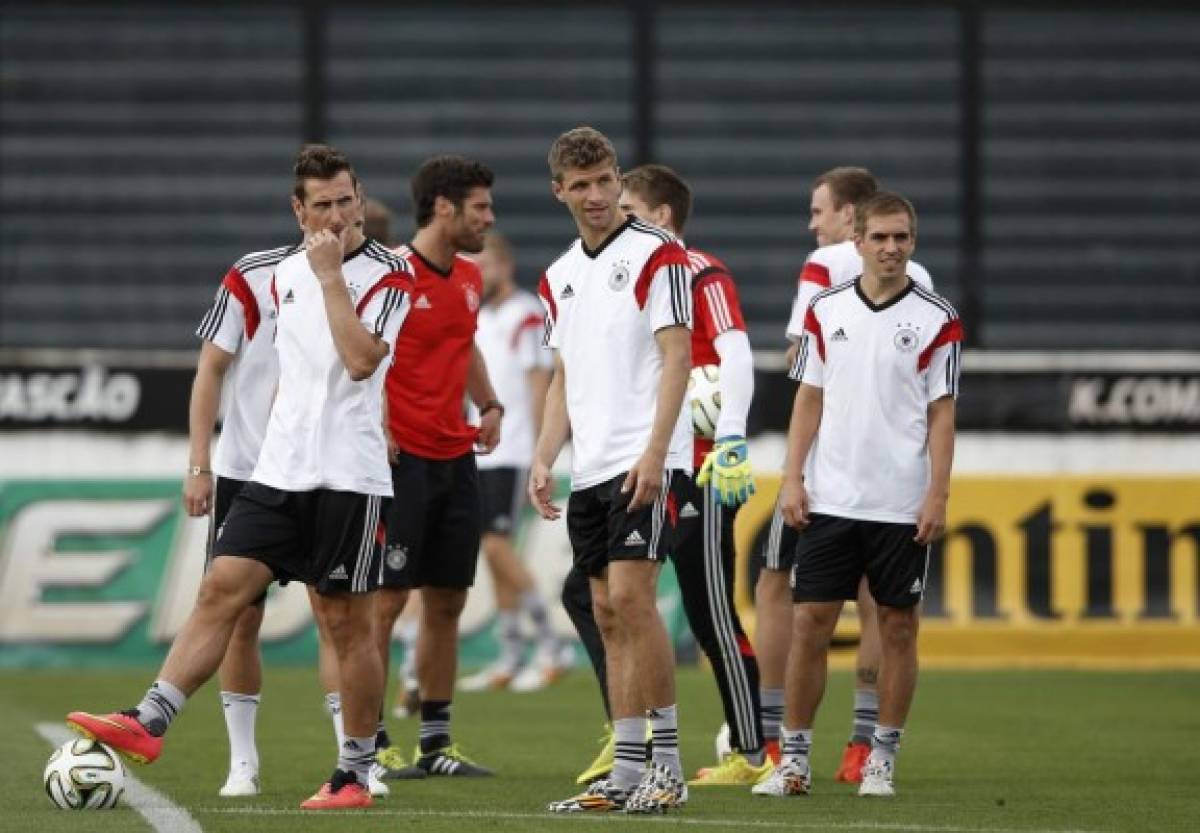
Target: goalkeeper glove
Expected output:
[727,467]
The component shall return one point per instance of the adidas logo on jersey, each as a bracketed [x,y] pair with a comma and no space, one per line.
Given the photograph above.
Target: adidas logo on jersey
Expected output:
[839,335]
[290,297]
[688,511]
[339,573]
[635,539]
[916,586]
[422,302]
[567,292]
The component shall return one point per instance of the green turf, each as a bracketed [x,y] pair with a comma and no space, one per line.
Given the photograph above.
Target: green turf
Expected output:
[994,751]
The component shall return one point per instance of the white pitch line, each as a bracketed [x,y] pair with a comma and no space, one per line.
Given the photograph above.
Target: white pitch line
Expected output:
[160,812]
[894,827]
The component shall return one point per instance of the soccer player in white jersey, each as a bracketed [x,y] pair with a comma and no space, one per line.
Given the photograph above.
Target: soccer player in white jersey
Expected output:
[867,477]
[312,507]
[237,352]
[511,322]
[619,315]
[835,195]
[704,552]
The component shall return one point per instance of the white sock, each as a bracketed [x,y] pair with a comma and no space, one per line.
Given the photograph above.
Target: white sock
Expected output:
[160,706]
[629,761]
[794,745]
[533,604]
[508,629]
[241,711]
[664,732]
[885,743]
[333,705]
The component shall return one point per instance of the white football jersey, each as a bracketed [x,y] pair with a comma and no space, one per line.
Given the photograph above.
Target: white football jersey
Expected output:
[241,321]
[326,430]
[831,266]
[879,368]
[603,308]
[509,336]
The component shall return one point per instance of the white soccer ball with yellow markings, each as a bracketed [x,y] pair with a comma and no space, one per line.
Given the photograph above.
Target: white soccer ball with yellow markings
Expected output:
[84,775]
[704,398]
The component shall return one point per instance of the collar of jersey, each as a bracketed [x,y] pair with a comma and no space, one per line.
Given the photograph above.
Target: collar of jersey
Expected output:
[594,253]
[433,267]
[890,302]
[366,242]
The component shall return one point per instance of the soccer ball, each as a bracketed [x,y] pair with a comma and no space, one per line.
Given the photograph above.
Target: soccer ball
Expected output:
[84,775]
[704,394]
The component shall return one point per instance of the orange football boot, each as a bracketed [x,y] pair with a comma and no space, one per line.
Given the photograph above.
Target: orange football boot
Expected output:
[121,731]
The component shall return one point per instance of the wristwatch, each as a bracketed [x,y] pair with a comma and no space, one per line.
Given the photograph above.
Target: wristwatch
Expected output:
[196,471]
[492,405]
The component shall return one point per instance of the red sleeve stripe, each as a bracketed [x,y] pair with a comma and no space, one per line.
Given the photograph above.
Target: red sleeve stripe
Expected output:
[951,333]
[393,280]
[815,273]
[236,283]
[813,326]
[529,322]
[547,296]
[669,254]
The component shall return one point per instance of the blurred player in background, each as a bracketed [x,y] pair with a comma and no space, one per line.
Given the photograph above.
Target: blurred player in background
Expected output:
[511,323]
[311,510]
[835,196]
[237,353]
[619,319]
[878,365]
[433,529]
[704,554]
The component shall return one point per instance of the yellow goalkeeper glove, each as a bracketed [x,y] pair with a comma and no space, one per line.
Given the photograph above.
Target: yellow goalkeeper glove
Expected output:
[727,466]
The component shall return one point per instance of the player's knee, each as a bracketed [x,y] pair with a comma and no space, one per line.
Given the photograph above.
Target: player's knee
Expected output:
[218,596]
[898,627]
[630,603]
[605,619]
[443,607]
[813,623]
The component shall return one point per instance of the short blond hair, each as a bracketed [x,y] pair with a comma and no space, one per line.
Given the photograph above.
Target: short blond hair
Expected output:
[580,147]
[882,204]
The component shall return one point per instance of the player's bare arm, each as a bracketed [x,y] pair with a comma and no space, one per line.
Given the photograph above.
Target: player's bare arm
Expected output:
[202,416]
[802,430]
[556,428]
[479,388]
[646,476]
[539,383]
[360,350]
[931,520]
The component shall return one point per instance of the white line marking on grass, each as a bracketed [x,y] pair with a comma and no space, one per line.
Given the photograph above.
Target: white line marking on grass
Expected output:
[160,812]
[617,818]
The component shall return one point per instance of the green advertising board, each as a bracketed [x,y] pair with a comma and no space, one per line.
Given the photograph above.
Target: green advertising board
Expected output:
[104,573]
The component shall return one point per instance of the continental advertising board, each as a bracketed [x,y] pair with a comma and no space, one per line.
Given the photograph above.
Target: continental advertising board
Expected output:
[1051,571]
[1062,571]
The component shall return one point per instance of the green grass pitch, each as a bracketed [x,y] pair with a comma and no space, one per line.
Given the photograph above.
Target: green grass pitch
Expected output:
[985,751]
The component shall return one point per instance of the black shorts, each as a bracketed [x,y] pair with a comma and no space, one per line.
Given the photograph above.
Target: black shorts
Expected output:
[835,553]
[434,524]
[601,530]
[502,491]
[779,550]
[225,489]
[326,539]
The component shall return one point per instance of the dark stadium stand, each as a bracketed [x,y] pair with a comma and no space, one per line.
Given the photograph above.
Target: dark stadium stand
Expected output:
[143,149]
